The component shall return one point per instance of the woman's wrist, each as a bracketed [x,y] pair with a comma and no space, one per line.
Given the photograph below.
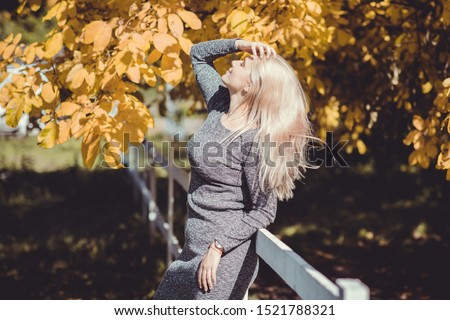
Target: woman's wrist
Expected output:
[214,247]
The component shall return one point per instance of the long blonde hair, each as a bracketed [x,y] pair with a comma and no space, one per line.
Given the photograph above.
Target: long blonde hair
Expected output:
[278,107]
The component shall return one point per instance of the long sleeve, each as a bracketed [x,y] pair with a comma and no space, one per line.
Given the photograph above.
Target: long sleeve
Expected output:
[262,213]
[209,80]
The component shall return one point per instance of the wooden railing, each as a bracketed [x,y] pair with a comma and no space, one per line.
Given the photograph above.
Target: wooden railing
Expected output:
[303,278]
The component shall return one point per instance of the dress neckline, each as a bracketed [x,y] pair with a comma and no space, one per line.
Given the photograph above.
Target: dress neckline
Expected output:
[221,114]
[219,119]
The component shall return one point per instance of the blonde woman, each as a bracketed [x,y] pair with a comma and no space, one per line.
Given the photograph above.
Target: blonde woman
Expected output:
[232,192]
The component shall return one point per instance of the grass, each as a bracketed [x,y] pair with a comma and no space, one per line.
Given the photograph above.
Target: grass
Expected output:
[25,154]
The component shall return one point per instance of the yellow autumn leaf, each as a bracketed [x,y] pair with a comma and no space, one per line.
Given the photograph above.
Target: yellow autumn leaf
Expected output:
[49,92]
[360,145]
[64,130]
[162,25]
[27,104]
[413,157]
[314,8]
[149,76]
[2,47]
[90,147]
[411,137]
[164,42]
[133,74]
[47,137]
[238,20]
[40,51]
[71,75]
[45,118]
[109,79]
[446,83]
[185,44]
[52,12]
[35,5]
[427,87]
[9,38]
[123,61]
[191,19]
[418,122]
[371,14]
[79,78]
[175,25]
[446,120]
[78,126]
[102,38]
[14,111]
[90,78]
[171,70]
[9,51]
[154,56]
[29,53]
[138,43]
[319,86]
[443,161]
[19,9]
[17,38]
[53,45]
[430,149]
[419,143]
[67,108]
[69,37]
[90,31]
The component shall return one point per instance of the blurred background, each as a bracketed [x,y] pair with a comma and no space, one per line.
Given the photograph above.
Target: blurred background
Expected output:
[67,232]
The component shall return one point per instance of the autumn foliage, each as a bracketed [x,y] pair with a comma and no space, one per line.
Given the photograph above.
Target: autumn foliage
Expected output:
[364,64]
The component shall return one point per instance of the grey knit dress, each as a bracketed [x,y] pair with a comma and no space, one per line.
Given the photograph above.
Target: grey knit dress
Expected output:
[224,201]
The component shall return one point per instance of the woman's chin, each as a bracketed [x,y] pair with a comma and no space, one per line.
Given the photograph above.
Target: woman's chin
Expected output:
[224,79]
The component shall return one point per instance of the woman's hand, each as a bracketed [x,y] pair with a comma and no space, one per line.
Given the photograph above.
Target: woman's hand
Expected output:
[255,47]
[208,268]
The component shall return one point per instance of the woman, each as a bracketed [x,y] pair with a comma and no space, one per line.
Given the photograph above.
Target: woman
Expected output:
[230,198]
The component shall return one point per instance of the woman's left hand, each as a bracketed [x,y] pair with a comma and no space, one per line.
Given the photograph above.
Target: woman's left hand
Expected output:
[208,268]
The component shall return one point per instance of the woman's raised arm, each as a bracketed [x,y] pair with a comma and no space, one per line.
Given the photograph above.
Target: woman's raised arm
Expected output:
[209,80]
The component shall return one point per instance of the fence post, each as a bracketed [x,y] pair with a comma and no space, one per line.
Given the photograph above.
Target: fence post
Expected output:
[145,209]
[170,204]
[132,168]
[352,289]
[153,191]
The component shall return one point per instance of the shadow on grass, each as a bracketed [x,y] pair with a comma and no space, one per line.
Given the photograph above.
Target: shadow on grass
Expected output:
[73,234]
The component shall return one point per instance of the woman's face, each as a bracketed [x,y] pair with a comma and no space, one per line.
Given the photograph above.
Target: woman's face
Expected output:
[238,76]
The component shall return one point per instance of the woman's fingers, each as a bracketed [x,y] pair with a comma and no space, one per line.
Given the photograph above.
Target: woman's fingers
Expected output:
[258,49]
[204,281]
[263,49]
[254,49]
[207,272]
[214,279]
[208,278]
